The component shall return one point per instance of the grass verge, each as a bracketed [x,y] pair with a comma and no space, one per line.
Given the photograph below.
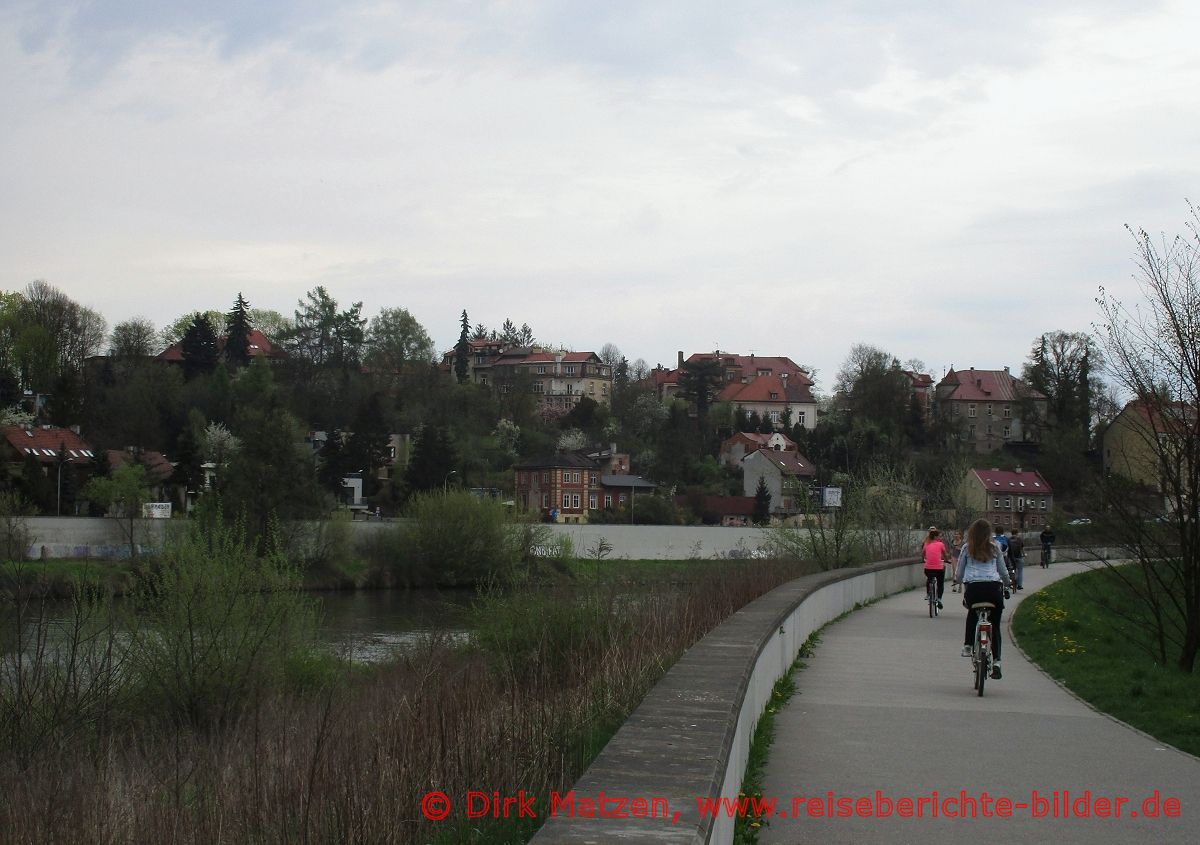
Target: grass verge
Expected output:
[1066,631]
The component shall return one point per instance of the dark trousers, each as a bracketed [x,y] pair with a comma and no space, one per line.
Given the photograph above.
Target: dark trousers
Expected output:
[940,575]
[978,591]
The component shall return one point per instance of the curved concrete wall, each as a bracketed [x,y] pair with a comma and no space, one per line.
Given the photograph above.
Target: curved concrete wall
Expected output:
[690,737]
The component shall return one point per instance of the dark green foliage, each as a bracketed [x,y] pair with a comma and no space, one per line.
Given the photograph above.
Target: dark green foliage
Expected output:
[199,348]
[237,333]
[433,459]
[699,383]
[462,351]
[762,503]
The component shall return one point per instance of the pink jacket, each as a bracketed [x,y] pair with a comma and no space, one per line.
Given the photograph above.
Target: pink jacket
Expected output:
[935,555]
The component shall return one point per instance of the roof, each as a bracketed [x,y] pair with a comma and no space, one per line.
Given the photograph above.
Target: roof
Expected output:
[631,481]
[260,347]
[558,460]
[985,386]
[752,365]
[757,440]
[768,389]
[47,441]
[158,468]
[788,463]
[1011,481]
[1168,416]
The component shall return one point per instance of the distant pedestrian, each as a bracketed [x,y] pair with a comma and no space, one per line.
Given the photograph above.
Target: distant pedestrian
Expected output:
[955,548]
[1016,555]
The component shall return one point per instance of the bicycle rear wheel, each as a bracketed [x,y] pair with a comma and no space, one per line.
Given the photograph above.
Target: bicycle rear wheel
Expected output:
[981,672]
[931,598]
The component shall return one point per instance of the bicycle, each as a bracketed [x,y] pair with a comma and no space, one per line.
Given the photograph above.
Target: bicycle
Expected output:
[1046,554]
[981,652]
[931,595]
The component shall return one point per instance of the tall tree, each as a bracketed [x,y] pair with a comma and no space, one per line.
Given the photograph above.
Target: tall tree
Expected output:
[323,336]
[237,333]
[762,503]
[433,459]
[462,351]
[1061,365]
[699,384]
[199,348]
[133,338]
[1152,352]
[396,339]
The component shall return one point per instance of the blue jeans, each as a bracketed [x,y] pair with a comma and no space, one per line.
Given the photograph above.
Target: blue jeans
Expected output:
[1019,565]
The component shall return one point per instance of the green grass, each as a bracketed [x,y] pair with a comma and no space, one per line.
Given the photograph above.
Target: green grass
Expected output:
[1066,631]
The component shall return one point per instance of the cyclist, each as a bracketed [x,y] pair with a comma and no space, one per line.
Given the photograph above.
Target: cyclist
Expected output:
[1047,540]
[981,567]
[1016,556]
[935,556]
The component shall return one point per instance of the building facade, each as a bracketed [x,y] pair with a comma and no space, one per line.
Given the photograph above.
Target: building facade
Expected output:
[1008,499]
[989,408]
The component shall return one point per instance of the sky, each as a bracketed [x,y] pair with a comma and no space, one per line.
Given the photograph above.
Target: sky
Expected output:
[945,181]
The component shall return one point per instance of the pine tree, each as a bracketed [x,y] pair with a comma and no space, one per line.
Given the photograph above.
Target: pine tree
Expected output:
[237,333]
[462,350]
[199,347]
[762,503]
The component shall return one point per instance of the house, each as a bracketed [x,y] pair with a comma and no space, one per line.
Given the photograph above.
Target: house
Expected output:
[732,511]
[787,476]
[736,448]
[562,487]
[1140,438]
[565,486]
[990,408]
[61,456]
[260,347]
[775,388]
[558,379]
[158,472]
[922,390]
[1008,499]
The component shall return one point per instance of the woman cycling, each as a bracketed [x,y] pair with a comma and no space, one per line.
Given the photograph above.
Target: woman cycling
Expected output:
[933,550]
[981,567]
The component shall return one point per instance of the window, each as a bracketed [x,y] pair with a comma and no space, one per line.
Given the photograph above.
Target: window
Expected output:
[971,429]
[566,500]
[621,498]
[570,389]
[604,389]
[591,387]
[545,500]
[1007,432]
[1043,506]
[608,500]
[775,417]
[996,506]
[800,418]
[1007,412]
[591,478]
[545,476]
[774,396]
[989,409]
[989,429]
[575,499]
[570,369]
[483,379]
[971,410]
[1008,502]
[592,501]
[538,387]
[541,369]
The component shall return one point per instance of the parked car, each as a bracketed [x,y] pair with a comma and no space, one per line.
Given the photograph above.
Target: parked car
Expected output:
[1083,520]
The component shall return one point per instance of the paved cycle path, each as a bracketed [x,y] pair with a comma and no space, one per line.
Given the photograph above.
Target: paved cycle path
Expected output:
[886,703]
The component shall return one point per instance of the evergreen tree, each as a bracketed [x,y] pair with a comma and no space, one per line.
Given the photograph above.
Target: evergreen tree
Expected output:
[462,350]
[762,503]
[432,459]
[334,464]
[367,447]
[199,348]
[237,333]
[741,421]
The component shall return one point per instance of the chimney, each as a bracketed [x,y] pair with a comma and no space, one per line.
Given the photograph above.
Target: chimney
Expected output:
[681,359]
[1017,470]
[1006,368]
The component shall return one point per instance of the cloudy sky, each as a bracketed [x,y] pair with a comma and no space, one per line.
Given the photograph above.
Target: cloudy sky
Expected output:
[944,180]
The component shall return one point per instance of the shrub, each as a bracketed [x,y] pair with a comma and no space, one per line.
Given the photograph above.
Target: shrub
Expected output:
[454,539]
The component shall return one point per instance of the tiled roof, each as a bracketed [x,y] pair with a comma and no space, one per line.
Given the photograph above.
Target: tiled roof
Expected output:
[158,468]
[1177,417]
[985,386]
[1008,481]
[45,443]
[260,346]
[750,365]
[757,440]
[789,463]
[569,460]
[762,388]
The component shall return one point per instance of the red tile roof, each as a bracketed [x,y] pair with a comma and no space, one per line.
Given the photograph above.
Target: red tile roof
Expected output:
[757,440]
[985,386]
[1178,417]
[789,463]
[158,468]
[260,346]
[751,365]
[45,443]
[761,389]
[1007,481]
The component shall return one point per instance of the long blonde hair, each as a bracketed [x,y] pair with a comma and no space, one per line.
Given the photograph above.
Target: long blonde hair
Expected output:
[979,540]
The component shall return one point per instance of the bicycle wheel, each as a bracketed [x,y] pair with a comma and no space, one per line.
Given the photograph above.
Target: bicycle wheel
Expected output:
[981,672]
[931,598]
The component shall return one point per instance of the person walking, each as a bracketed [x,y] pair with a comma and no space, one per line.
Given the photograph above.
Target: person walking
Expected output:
[956,546]
[981,567]
[1016,555]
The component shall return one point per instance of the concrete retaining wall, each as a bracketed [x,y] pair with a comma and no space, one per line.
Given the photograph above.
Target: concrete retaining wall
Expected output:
[690,737]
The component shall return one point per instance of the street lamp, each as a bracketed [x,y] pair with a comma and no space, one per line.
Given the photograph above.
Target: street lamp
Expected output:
[446,483]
